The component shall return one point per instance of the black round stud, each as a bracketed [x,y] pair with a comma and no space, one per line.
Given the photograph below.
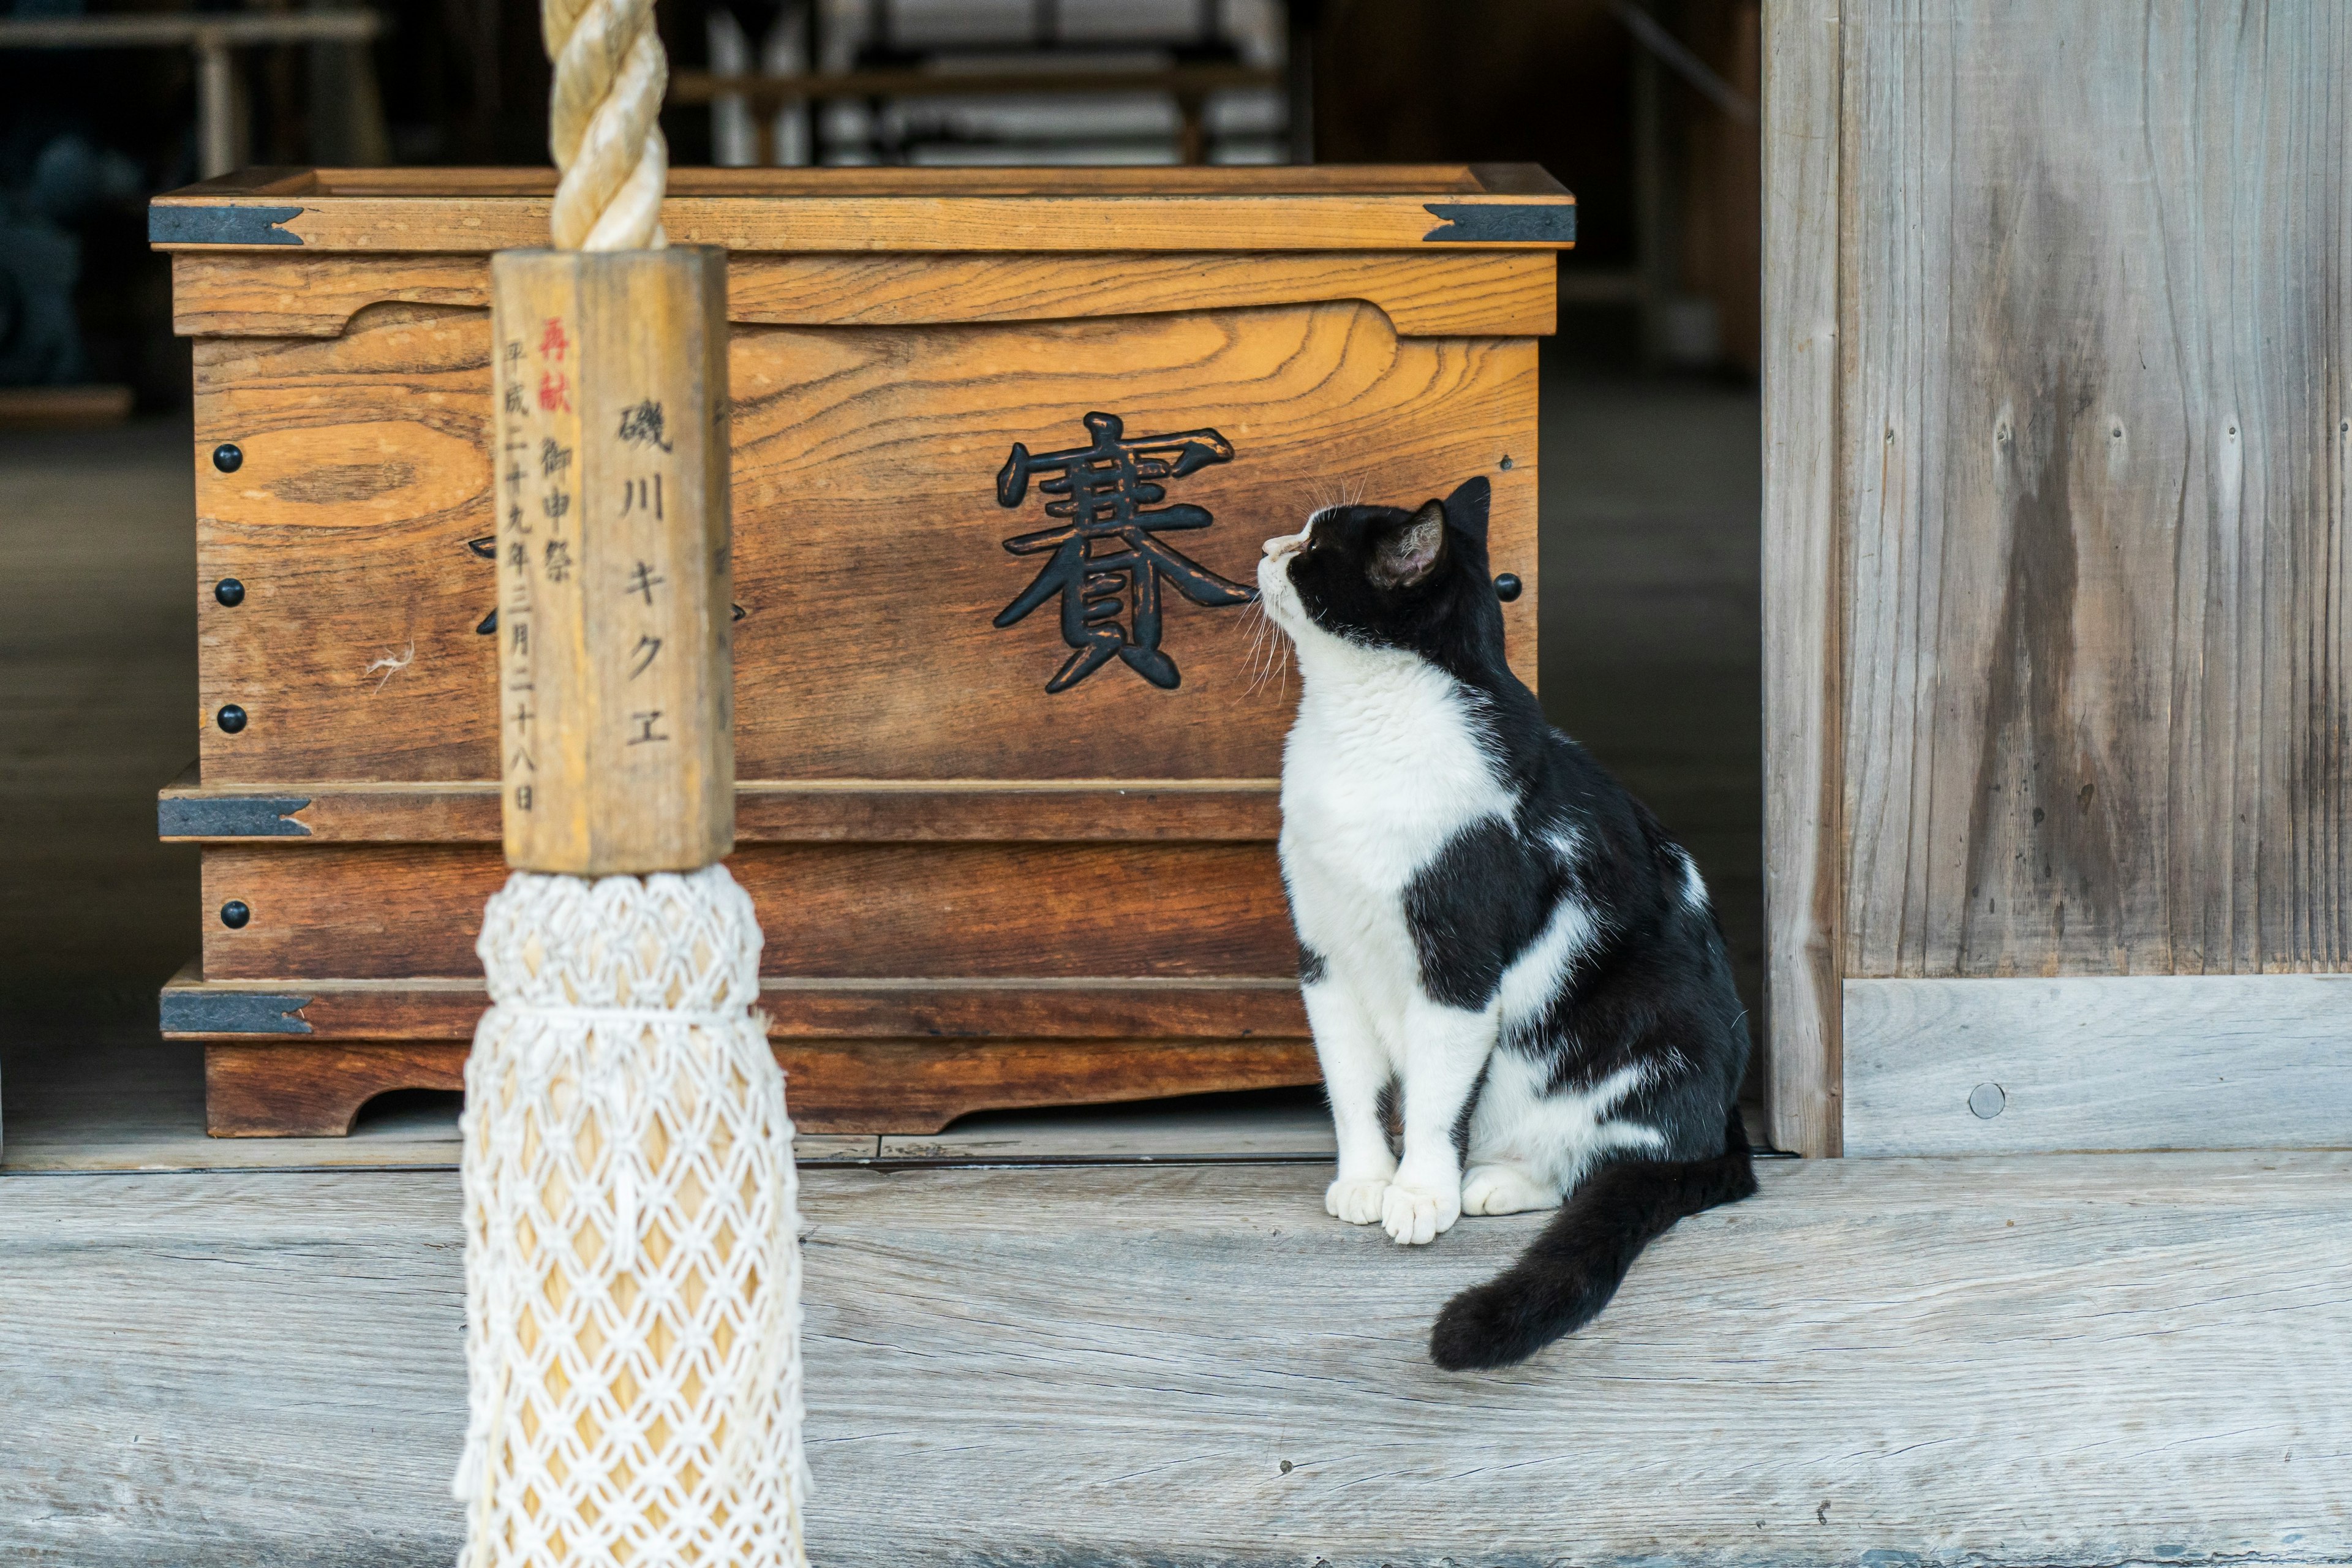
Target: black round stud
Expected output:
[1507,587]
[1506,464]
[229,591]
[235,914]
[231,719]
[228,457]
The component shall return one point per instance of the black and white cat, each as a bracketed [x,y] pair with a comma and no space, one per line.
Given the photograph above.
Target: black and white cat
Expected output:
[1495,939]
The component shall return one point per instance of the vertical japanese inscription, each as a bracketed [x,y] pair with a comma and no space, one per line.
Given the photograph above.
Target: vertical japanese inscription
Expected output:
[537,433]
[615,674]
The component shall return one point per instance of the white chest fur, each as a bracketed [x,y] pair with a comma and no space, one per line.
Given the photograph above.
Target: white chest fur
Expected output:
[1382,767]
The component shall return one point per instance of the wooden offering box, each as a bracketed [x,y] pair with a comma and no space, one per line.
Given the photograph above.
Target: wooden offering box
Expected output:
[1008,795]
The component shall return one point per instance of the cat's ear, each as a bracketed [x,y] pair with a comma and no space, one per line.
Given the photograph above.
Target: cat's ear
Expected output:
[1466,509]
[1409,552]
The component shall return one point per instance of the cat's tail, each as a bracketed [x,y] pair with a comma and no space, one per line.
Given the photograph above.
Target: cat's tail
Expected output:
[1563,1281]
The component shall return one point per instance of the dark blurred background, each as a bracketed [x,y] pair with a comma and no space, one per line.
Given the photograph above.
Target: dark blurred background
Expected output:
[1650,472]
[1646,112]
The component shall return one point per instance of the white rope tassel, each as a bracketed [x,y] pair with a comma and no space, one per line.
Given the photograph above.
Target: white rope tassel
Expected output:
[604,123]
[632,1256]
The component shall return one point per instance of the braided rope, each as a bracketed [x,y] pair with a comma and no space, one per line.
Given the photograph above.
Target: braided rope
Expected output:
[604,123]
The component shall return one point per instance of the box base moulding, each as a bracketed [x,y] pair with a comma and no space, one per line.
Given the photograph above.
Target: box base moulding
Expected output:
[290,1089]
[891,1056]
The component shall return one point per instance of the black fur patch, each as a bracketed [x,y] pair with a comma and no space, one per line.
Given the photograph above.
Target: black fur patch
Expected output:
[1310,965]
[1473,910]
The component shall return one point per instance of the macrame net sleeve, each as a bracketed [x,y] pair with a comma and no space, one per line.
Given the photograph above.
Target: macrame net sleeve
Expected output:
[632,1253]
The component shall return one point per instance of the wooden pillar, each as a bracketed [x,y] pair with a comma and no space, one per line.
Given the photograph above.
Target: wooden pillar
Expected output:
[615,666]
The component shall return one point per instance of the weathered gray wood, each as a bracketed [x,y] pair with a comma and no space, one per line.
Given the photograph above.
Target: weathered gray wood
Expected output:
[2086,1360]
[2098,284]
[1802,858]
[2220,1061]
[1282,1126]
[1297,1128]
[116,1099]
[231,1369]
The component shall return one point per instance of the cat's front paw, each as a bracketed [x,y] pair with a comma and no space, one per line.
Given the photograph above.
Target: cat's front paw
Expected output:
[1501,1189]
[1356,1199]
[1414,1217]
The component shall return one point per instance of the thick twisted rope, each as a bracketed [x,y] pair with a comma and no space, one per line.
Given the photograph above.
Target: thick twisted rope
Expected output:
[604,123]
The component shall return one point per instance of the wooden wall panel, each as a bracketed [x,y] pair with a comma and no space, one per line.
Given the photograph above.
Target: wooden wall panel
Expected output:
[2098,277]
[869,556]
[1803,892]
[846,912]
[2038,1067]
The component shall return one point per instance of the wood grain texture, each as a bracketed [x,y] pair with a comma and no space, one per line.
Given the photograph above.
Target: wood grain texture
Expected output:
[882,424]
[2215,1061]
[818,811]
[830,911]
[927,209]
[1452,294]
[1804,849]
[336,522]
[2099,265]
[616,691]
[114,1102]
[310,1088]
[255,294]
[447,1009]
[920,1086]
[316,1089]
[2016,1364]
[366,474]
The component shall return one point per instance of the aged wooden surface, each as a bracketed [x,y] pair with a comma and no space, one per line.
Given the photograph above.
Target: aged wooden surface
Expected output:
[1029,1006]
[2212,1061]
[109,1099]
[1803,865]
[314,1088]
[2098,439]
[1272,1127]
[817,811]
[921,1085]
[909,209]
[2014,1364]
[868,534]
[615,688]
[130,1105]
[830,910]
[293,293]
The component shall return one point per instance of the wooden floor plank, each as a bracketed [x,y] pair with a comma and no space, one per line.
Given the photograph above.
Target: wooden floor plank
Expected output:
[2067,1359]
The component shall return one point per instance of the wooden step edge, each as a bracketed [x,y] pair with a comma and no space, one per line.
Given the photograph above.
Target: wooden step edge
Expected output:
[826,811]
[1237,1008]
